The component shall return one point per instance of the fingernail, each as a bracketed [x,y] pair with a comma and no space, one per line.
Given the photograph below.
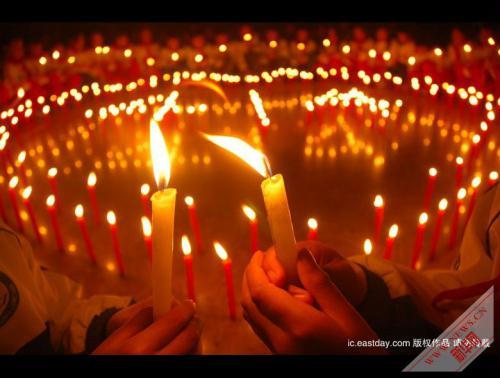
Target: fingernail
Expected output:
[306,256]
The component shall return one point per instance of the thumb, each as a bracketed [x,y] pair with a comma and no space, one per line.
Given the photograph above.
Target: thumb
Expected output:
[326,294]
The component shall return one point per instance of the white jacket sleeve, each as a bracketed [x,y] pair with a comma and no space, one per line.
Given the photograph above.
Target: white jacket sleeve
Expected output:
[478,256]
[32,299]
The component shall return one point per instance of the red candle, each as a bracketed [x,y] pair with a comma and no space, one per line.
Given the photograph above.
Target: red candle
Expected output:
[473,153]
[51,176]
[456,217]
[12,195]
[419,239]
[91,181]
[195,224]
[379,217]
[253,227]
[459,172]
[51,208]
[492,178]
[436,234]
[367,248]
[146,207]
[85,234]
[111,218]
[312,224]
[226,262]
[20,164]
[476,181]
[431,182]
[389,242]
[26,200]
[188,264]
[146,231]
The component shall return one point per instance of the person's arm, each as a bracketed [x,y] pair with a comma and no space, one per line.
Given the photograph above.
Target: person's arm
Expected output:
[40,306]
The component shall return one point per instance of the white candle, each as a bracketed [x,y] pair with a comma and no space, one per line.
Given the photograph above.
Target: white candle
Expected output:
[163,204]
[275,199]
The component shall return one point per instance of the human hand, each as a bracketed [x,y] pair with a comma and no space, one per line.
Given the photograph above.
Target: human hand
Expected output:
[177,332]
[290,326]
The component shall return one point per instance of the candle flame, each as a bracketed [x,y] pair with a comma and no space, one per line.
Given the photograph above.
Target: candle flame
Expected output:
[253,157]
[312,223]
[91,179]
[493,176]
[379,201]
[249,212]
[186,246]
[423,218]
[79,211]
[433,172]
[367,247]
[27,192]
[459,160]
[462,192]
[476,181]
[159,155]
[393,231]
[221,252]
[144,189]
[51,200]
[52,172]
[146,226]
[443,204]
[21,157]
[111,217]
[189,201]
[13,182]
[476,138]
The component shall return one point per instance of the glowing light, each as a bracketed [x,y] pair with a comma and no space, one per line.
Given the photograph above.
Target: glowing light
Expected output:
[312,224]
[159,156]
[111,217]
[462,192]
[476,181]
[393,231]
[189,201]
[433,172]
[52,172]
[145,189]
[443,204]
[423,218]
[79,211]
[379,201]
[367,247]
[13,182]
[221,252]
[146,226]
[249,212]
[27,192]
[186,246]
[91,179]
[51,200]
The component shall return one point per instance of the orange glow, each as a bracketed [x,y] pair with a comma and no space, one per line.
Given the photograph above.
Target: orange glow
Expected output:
[13,182]
[111,217]
[462,192]
[221,252]
[186,246]
[52,172]
[79,211]
[145,189]
[249,212]
[476,181]
[423,218]
[51,200]
[26,192]
[159,156]
[312,224]
[367,247]
[393,231]
[443,204]
[379,201]
[433,172]
[91,179]
[146,226]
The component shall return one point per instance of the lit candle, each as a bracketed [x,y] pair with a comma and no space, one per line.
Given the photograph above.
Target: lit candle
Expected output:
[476,181]
[492,178]
[51,209]
[436,234]
[312,224]
[26,200]
[91,181]
[79,213]
[419,239]
[431,182]
[188,264]
[13,200]
[389,242]
[459,172]
[456,217]
[20,164]
[113,229]
[226,263]
[379,216]
[51,176]
[253,227]
[195,223]
[146,232]
[163,202]
[367,249]
[275,199]
[146,206]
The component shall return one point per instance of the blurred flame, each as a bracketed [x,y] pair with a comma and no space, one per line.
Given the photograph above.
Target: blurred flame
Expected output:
[159,156]
[221,252]
[189,201]
[91,179]
[312,223]
[249,212]
[379,201]
[27,192]
[423,218]
[51,200]
[443,204]
[393,231]
[367,247]
[111,217]
[186,246]
[146,226]
[79,211]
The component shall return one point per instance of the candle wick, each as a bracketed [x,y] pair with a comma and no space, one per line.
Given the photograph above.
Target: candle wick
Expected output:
[268,166]
[162,183]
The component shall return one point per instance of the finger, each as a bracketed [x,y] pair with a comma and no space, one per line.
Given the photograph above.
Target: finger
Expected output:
[132,327]
[321,252]
[127,313]
[185,341]
[269,333]
[273,268]
[326,294]
[301,294]
[164,329]
[274,303]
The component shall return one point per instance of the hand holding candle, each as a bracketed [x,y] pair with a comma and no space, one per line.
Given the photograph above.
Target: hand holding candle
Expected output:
[275,199]
[163,202]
